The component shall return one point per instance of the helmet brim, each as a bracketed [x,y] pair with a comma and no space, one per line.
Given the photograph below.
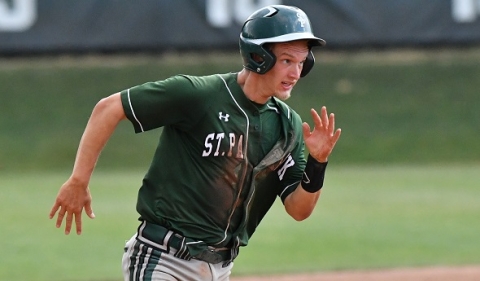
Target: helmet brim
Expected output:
[313,41]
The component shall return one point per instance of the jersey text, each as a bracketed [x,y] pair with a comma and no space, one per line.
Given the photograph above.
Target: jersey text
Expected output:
[288,163]
[232,145]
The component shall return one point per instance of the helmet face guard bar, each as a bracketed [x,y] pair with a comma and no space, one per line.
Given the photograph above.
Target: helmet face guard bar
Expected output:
[275,24]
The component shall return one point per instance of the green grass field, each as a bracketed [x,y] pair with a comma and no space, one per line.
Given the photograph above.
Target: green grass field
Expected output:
[368,217]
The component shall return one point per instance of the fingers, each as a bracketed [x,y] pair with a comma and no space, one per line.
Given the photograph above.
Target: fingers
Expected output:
[61,214]
[323,120]
[89,210]
[70,218]
[331,123]
[306,129]
[336,136]
[325,117]
[317,121]
[68,221]
[78,222]
[54,210]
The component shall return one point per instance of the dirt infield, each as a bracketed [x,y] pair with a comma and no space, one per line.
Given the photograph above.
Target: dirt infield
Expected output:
[465,273]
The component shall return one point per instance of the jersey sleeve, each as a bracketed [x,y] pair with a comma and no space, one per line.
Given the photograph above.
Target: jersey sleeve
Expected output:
[167,102]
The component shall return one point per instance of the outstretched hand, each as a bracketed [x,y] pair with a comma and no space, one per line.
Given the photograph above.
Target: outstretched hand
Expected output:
[322,139]
[70,202]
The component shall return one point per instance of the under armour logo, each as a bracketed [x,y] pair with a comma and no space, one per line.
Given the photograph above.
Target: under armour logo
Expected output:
[224,117]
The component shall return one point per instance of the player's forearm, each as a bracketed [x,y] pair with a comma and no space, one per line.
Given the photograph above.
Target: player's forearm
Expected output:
[300,203]
[102,123]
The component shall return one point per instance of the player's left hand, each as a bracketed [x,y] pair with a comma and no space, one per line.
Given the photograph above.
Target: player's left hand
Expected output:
[321,141]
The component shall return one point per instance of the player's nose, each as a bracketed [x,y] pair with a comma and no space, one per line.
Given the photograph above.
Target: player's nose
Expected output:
[296,71]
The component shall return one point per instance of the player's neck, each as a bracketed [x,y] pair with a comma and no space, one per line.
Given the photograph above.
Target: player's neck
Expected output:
[252,87]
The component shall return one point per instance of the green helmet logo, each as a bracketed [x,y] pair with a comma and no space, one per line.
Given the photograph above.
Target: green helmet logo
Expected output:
[275,24]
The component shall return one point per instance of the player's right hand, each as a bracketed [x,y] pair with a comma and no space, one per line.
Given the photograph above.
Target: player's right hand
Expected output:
[72,198]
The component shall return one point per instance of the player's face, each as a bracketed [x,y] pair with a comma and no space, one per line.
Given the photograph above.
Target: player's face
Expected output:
[288,67]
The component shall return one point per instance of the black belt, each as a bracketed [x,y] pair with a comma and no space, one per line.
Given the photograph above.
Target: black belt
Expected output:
[163,239]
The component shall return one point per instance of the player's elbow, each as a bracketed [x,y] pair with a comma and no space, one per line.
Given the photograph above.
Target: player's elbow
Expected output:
[301,217]
[299,214]
[300,204]
[111,107]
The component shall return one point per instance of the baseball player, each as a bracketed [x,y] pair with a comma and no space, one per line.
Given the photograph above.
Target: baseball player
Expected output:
[229,147]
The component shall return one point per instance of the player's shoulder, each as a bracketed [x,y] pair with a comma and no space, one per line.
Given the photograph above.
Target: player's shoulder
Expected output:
[207,82]
[195,88]
[288,111]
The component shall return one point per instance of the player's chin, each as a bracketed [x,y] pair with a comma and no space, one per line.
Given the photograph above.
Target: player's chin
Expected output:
[283,95]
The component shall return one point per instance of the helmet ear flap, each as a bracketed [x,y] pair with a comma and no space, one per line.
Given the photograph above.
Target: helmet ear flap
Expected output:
[308,64]
[262,61]
[256,58]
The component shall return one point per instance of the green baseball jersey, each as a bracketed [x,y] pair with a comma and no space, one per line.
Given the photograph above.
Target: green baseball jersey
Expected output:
[221,159]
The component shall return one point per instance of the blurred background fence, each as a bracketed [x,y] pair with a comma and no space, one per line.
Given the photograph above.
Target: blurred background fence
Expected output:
[49,26]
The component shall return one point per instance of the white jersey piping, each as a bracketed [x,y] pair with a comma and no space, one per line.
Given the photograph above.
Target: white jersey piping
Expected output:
[246,147]
[273,108]
[285,189]
[133,112]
